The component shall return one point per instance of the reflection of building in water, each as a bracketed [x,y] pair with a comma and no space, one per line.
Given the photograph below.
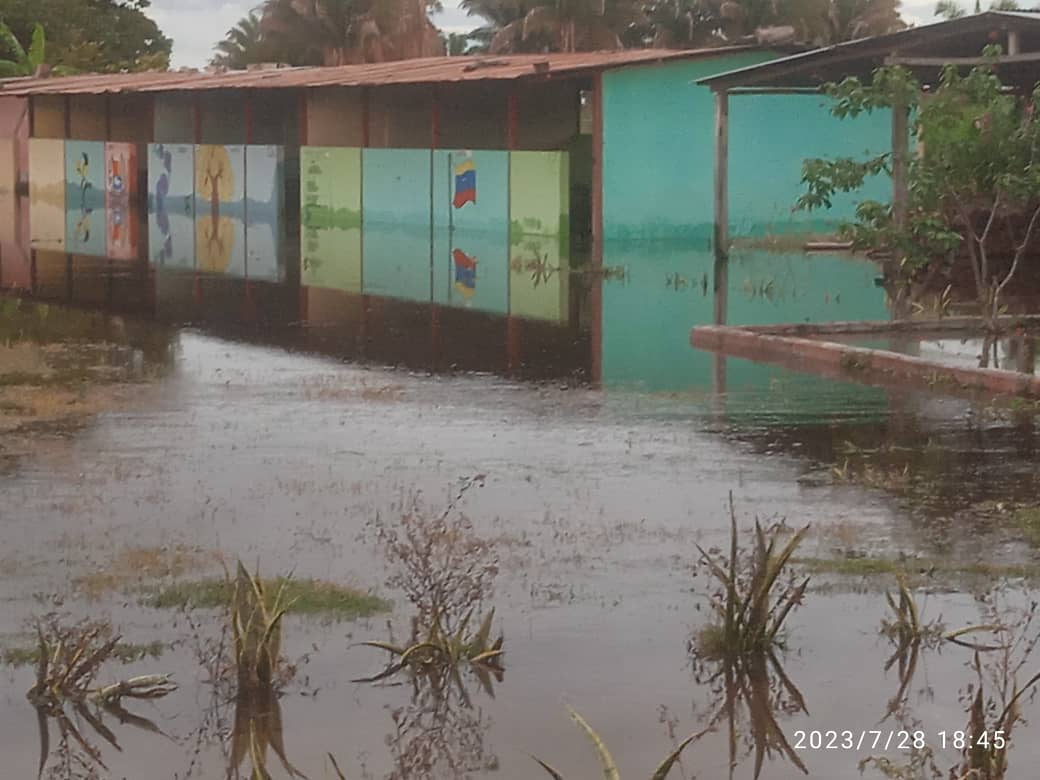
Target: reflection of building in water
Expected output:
[489,191]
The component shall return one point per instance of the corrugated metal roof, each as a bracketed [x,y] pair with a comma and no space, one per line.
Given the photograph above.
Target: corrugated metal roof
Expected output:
[429,70]
[812,68]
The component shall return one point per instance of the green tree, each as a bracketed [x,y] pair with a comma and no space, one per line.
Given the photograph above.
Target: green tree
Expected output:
[973,185]
[21,62]
[244,44]
[951,9]
[91,35]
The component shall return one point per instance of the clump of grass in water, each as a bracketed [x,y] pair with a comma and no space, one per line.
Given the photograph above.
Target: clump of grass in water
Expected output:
[610,770]
[736,656]
[304,597]
[256,623]
[446,570]
[749,613]
[992,700]
[68,662]
[123,652]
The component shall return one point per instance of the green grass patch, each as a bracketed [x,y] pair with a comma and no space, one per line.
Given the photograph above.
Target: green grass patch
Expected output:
[124,652]
[304,596]
[911,567]
[1027,519]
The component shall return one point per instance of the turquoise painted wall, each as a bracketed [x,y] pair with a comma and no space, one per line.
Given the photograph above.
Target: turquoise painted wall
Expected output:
[396,212]
[658,153]
[647,317]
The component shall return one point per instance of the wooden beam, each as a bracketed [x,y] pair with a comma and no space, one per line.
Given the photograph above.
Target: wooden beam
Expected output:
[900,156]
[721,232]
[940,62]
[304,128]
[775,91]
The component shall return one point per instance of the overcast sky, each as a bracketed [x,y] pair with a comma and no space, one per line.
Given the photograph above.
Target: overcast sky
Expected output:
[196,25]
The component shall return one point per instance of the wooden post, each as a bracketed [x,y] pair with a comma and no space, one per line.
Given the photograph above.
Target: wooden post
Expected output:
[596,291]
[247,117]
[514,355]
[196,107]
[512,118]
[304,128]
[366,118]
[721,232]
[435,119]
[900,142]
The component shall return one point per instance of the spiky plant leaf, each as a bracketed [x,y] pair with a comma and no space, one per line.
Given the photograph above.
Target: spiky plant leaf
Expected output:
[552,772]
[666,766]
[43,726]
[335,766]
[610,770]
[9,43]
[38,48]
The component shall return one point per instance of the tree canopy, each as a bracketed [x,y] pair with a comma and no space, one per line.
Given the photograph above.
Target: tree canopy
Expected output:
[103,36]
[973,183]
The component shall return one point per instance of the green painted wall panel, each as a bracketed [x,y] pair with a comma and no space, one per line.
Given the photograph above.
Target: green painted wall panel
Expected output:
[658,153]
[331,218]
[539,209]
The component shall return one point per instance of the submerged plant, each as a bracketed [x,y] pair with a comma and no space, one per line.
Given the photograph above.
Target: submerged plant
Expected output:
[610,770]
[754,595]
[439,649]
[736,654]
[67,664]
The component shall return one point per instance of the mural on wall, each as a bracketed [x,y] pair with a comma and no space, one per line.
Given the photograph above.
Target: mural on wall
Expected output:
[471,229]
[85,197]
[46,193]
[171,205]
[539,235]
[120,190]
[220,236]
[330,216]
[396,248]
[265,193]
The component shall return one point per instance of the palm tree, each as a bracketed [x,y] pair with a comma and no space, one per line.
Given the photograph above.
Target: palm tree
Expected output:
[245,44]
[557,25]
[338,32]
[499,15]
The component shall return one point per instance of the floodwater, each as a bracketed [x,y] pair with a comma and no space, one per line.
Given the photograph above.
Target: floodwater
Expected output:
[271,422]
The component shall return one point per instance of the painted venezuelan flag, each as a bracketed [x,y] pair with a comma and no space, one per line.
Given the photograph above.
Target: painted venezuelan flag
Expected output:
[465,273]
[465,183]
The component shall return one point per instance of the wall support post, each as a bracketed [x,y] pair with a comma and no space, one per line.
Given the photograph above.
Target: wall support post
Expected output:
[721,228]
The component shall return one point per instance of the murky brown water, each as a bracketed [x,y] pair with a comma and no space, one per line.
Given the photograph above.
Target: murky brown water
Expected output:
[278,421]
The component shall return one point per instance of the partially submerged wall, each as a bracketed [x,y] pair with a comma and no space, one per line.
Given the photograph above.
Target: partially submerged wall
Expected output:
[658,153]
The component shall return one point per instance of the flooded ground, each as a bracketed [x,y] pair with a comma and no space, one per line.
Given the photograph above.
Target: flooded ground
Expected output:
[291,427]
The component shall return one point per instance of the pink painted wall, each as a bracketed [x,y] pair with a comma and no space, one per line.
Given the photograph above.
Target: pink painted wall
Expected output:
[14,142]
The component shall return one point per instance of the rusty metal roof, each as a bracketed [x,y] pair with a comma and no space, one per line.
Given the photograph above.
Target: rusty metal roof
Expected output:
[428,70]
[947,40]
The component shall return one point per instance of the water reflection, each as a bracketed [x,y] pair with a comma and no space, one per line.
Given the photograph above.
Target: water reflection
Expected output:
[750,694]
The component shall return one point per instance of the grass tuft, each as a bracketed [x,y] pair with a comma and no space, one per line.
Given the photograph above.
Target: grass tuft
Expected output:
[303,597]
[123,652]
